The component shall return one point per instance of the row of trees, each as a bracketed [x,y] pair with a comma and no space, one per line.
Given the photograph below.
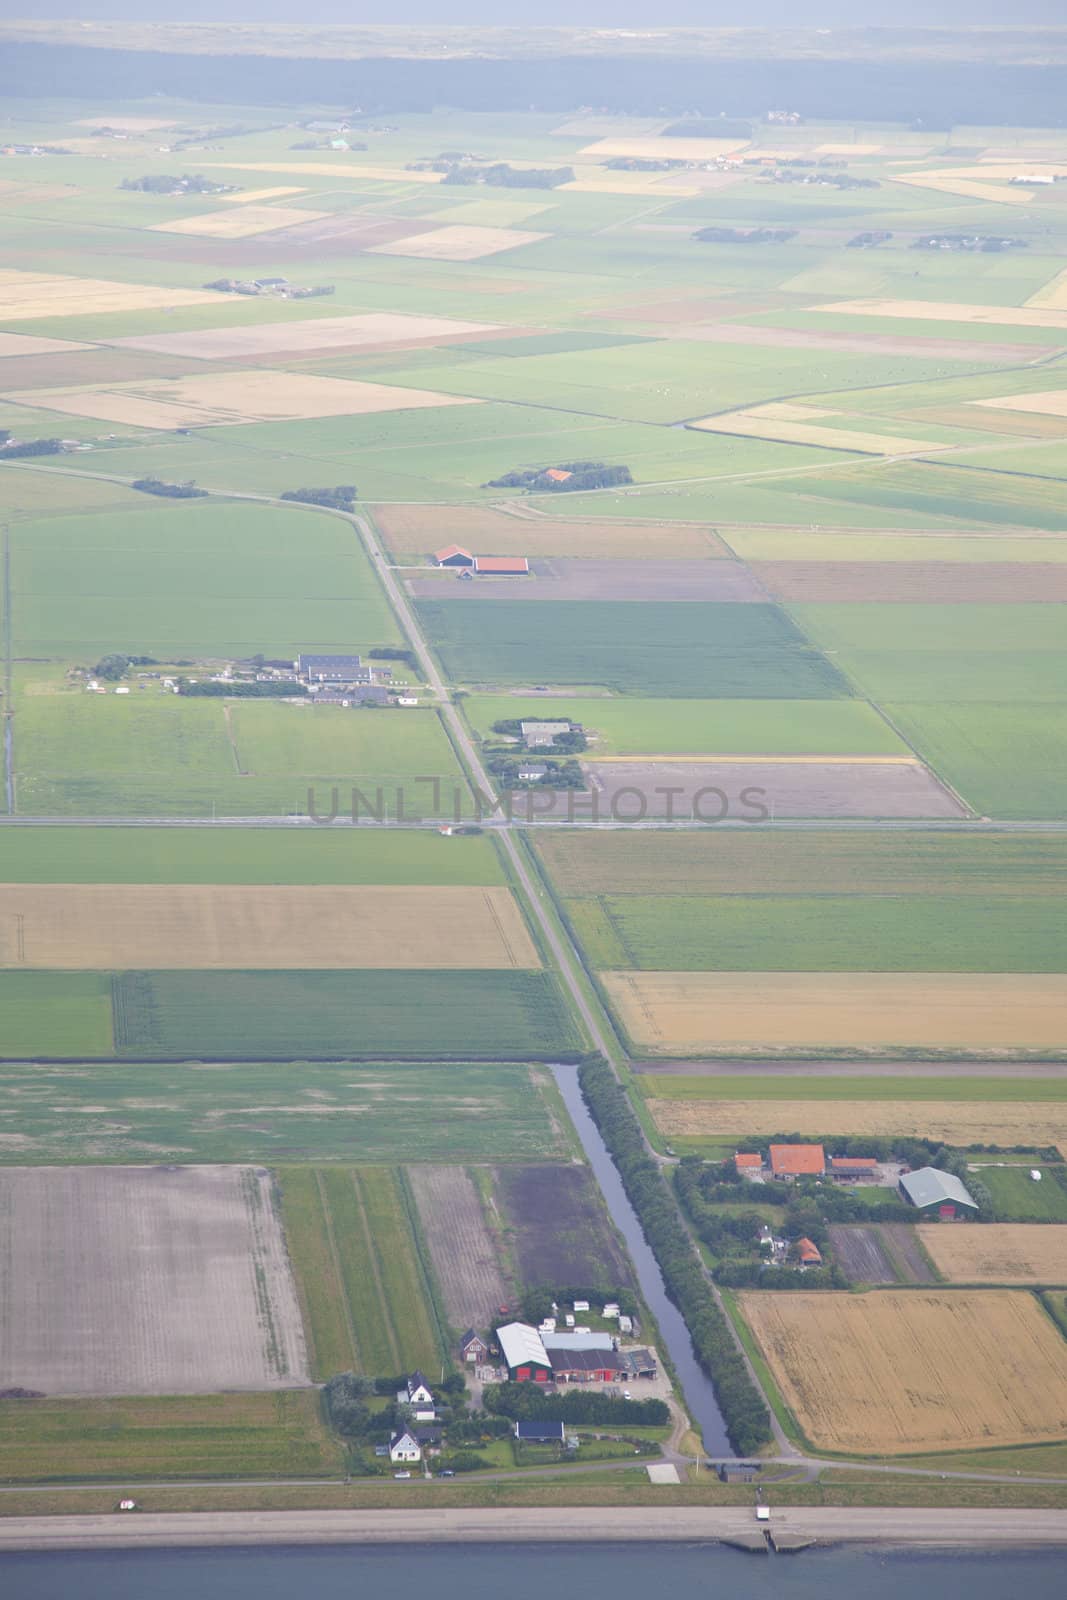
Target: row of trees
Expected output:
[29,447]
[502,176]
[747,1418]
[528,1401]
[169,491]
[341,498]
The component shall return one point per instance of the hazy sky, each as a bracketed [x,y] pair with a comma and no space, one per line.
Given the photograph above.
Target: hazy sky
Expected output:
[596,13]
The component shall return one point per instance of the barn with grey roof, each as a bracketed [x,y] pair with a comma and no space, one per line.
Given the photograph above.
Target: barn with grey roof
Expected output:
[931,1190]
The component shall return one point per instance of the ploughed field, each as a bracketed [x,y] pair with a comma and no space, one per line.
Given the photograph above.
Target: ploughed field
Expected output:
[464,1250]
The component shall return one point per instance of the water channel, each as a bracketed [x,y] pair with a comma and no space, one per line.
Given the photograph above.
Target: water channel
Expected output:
[695,1384]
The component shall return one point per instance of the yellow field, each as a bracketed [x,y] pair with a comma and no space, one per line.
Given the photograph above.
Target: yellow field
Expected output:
[27,344]
[327,169]
[921,1370]
[114,926]
[218,398]
[26,296]
[242,223]
[1051,403]
[683,1013]
[246,197]
[659,149]
[1053,295]
[1003,194]
[457,244]
[956,1122]
[769,422]
[952,311]
[1000,1252]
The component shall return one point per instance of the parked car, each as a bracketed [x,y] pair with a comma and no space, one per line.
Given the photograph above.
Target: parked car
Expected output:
[627,1395]
[446,1472]
[401,1474]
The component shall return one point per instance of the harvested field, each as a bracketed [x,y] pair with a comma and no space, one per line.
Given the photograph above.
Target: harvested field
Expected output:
[246,197]
[950,183]
[145,1280]
[413,529]
[343,172]
[26,344]
[861,1254]
[951,311]
[1053,293]
[28,296]
[313,333]
[921,1370]
[867,344]
[1050,403]
[567,579]
[752,787]
[462,1248]
[656,149]
[561,1232]
[166,926]
[951,1121]
[687,1013]
[243,222]
[1000,1252]
[915,582]
[457,243]
[215,399]
[767,422]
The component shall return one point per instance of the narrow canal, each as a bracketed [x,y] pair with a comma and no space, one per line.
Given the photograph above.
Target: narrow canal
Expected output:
[696,1386]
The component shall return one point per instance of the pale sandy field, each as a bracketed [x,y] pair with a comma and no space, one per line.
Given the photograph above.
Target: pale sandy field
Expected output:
[458,243]
[418,529]
[145,1280]
[661,149]
[1053,294]
[893,1371]
[312,333]
[216,399]
[1003,194]
[328,169]
[240,223]
[27,344]
[27,296]
[955,1122]
[767,423]
[999,1252]
[951,311]
[116,926]
[687,1012]
[247,197]
[1050,403]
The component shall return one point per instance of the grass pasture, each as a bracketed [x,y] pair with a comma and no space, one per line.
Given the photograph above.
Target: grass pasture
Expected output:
[208,1111]
[251,1016]
[278,1435]
[55,1014]
[1018,1198]
[367,1303]
[1009,761]
[880,1373]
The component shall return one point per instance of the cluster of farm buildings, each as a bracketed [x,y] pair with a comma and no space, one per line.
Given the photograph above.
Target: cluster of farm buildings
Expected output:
[551,1354]
[929,1190]
[466,565]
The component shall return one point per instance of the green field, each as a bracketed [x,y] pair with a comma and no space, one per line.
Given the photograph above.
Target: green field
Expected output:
[249,1016]
[1018,1198]
[628,726]
[312,855]
[55,1014]
[276,1111]
[203,580]
[672,649]
[368,1305]
[169,1437]
[158,754]
[1008,761]
[821,933]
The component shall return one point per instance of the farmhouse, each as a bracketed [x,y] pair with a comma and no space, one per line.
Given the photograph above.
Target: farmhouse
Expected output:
[540,1432]
[502,566]
[472,1347]
[531,771]
[808,1253]
[557,475]
[417,1394]
[542,735]
[749,1164]
[849,1169]
[331,669]
[938,1193]
[453,555]
[792,1161]
[524,1353]
[404,1447]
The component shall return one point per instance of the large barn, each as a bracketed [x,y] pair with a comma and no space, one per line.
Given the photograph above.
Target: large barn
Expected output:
[933,1191]
[524,1353]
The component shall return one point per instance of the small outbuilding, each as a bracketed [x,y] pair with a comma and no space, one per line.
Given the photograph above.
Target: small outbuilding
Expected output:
[540,1432]
[453,555]
[938,1193]
[748,1163]
[502,566]
[472,1347]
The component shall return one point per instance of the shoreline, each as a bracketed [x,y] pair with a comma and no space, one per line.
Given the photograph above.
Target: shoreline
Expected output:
[917,1528]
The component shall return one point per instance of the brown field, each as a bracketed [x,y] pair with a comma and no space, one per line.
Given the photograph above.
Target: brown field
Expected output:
[1000,1252]
[921,1369]
[458,243]
[322,333]
[788,786]
[239,223]
[767,422]
[145,1280]
[655,148]
[217,399]
[418,529]
[116,926]
[686,1013]
[915,582]
[462,1247]
[566,579]
[25,344]
[90,367]
[954,1122]
[28,296]
[952,311]
[560,1229]
[872,344]
[830,863]
[1051,403]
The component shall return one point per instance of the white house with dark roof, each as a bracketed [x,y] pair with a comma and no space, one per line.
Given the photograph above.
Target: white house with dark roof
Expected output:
[404,1447]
